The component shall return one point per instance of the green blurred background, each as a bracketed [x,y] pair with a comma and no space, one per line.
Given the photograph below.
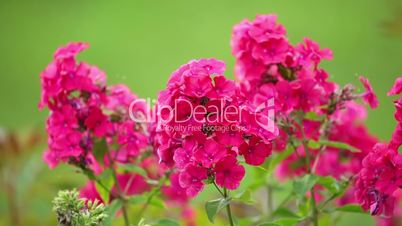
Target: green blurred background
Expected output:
[141,42]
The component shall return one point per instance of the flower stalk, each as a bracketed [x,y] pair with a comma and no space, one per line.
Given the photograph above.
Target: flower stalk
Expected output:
[228,209]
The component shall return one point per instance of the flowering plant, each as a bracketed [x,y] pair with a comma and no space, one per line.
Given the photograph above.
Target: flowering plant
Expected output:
[282,118]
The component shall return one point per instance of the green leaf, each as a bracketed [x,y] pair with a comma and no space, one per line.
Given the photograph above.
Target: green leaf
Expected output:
[304,184]
[350,209]
[214,206]
[155,201]
[244,197]
[282,222]
[111,211]
[133,169]
[335,144]
[135,200]
[285,213]
[104,184]
[166,222]
[330,183]
[314,116]
[100,148]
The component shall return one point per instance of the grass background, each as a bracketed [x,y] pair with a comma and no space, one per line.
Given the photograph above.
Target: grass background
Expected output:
[141,42]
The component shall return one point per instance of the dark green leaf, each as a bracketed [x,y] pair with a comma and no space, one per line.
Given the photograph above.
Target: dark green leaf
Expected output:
[304,184]
[133,169]
[330,183]
[100,149]
[350,209]
[104,184]
[214,206]
[335,144]
[244,197]
[285,213]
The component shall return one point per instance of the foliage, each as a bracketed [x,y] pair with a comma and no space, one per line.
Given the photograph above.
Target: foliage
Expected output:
[73,211]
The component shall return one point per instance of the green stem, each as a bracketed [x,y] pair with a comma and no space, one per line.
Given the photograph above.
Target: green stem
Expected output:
[270,200]
[219,190]
[120,192]
[309,170]
[314,205]
[151,196]
[228,210]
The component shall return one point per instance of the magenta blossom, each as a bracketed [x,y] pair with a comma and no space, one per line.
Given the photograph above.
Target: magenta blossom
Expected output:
[192,179]
[209,121]
[369,96]
[229,173]
[379,178]
[397,88]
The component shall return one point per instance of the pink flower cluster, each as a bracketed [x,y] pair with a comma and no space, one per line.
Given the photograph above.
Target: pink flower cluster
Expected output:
[268,66]
[380,179]
[83,112]
[220,127]
[208,127]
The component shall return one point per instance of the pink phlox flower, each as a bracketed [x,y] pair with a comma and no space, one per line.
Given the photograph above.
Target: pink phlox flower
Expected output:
[396,88]
[229,173]
[369,96]
[191,179]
